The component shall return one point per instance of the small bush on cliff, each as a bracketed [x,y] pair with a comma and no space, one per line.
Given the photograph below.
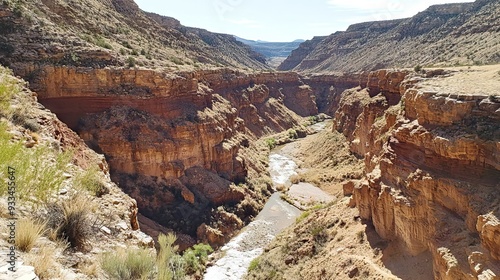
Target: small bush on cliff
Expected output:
[131,62]
[292,134]
[89,180]
[271,143]
[70,220]
[254,264]
[196,258]
[37,178]
[418,68]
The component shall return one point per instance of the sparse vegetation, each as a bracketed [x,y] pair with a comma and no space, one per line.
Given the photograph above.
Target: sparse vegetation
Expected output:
[70,220]
[254,264]
[418,68]
[44,263]
[170,267]
[27,233]
[89,180]
[302,216]
[37,177]
[292,134]
[271,143]
[128,264]
[131,62]
[196,258]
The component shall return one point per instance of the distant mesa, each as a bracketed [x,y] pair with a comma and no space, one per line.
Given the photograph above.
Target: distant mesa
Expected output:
[272,49]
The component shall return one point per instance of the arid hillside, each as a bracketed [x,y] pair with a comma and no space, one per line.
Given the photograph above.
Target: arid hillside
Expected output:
[449,34]
[100,33]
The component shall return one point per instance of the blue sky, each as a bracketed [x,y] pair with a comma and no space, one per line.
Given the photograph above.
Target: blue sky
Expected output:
[283,20]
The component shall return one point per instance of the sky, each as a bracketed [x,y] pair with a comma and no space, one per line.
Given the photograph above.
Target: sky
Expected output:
[283,20]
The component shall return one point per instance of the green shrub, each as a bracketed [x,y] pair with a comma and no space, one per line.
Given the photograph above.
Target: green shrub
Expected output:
[89,180]
[271,143]
[292,134]
[254,264]
[130,265]
[197,257]
[131,61]
[418,68]
[36,178]
[101,42]
[302,216]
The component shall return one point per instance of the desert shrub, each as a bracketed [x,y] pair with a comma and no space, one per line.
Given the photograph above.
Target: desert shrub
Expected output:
[129,265]
[302,216]
[254,264]
[71,220]
[177,60]
[292,134]
[102,43]
[38,171]
[27,233]
[271,143]
[197,257]
[417,68]
[131,61]
[44,263]
[89,180]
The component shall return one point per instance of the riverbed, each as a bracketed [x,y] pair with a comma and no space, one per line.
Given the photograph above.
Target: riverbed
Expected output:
[274,218]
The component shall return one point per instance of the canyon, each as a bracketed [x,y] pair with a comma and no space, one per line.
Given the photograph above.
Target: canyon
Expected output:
[186,119]
[427,200]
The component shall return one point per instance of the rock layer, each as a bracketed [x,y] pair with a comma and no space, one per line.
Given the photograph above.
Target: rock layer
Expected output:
[432,164]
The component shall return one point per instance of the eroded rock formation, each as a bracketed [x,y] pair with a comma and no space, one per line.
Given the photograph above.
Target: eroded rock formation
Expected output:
[432,164]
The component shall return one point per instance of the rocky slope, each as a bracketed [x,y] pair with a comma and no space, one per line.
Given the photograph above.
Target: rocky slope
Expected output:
[99,33]
[449,34]
[428,199]
[36,145]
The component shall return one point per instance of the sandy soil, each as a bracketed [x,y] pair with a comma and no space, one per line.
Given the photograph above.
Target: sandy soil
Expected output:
[477,80]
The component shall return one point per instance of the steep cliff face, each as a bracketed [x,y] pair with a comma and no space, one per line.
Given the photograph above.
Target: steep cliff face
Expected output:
[166,135]
[441,35]
[432,164]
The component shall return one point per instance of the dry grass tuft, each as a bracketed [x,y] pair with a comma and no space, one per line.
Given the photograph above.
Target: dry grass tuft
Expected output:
[27,233]
[70,221]
[44,262]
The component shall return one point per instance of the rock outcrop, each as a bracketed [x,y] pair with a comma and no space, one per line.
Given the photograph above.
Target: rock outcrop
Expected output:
[164,135]
[432,164]
[449,34]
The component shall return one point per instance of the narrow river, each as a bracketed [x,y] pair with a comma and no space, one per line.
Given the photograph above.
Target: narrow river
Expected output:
[250,242]
[274,218]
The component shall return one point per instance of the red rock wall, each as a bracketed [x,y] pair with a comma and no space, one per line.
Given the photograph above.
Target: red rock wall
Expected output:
[432,164]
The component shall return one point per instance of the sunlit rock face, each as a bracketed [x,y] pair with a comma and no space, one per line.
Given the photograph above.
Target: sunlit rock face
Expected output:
[432,170]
